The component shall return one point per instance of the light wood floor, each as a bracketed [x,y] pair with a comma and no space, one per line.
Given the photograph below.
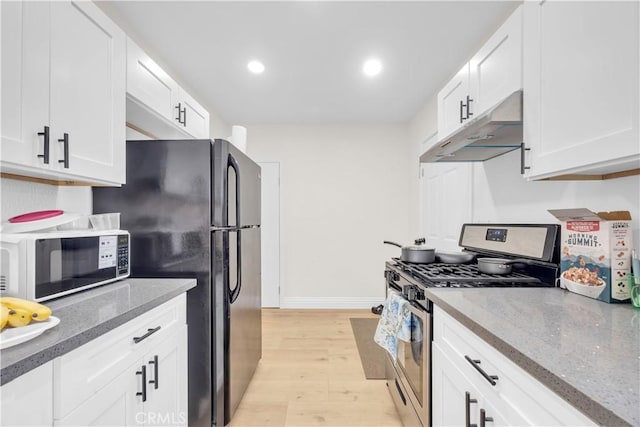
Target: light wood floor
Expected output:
[310,375]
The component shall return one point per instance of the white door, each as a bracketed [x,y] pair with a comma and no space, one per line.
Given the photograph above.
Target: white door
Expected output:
[270,234]
[446,202]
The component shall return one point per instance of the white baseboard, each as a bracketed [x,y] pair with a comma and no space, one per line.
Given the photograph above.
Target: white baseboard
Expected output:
[330,302]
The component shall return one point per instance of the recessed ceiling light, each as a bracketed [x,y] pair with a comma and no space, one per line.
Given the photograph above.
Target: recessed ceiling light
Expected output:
[372,67]
[256,67]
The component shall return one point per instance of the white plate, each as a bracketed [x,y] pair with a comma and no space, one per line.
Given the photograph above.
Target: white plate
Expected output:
[12,336]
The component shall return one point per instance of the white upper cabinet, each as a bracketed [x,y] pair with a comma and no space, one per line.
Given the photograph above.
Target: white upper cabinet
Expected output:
[63,70]
[149,84]
[493,73]
[195,118]
[581,112]
[156,104]
[451,102]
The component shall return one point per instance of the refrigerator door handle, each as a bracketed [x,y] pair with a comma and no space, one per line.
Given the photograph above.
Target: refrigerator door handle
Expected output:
[233,294]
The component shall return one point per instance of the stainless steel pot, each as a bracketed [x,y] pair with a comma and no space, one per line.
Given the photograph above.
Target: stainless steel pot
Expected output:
[498,265]
[417,254]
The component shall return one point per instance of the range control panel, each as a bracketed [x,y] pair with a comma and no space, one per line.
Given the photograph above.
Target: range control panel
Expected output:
[536,241]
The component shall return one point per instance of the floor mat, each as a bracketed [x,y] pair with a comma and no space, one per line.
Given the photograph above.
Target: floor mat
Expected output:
[371,354]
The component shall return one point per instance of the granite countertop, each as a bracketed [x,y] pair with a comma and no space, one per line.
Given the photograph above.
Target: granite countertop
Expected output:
[585,350]
[87,315]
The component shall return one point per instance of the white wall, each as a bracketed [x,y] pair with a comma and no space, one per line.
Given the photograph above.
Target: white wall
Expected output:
[502,195]
[343,191]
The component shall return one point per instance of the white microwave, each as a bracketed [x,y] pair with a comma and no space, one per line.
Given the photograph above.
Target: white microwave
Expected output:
[43,266]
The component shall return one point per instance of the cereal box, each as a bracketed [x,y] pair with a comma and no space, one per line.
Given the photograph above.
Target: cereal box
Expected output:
[595,256]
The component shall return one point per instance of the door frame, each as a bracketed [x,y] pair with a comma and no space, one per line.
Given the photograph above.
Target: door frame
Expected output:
[269,293]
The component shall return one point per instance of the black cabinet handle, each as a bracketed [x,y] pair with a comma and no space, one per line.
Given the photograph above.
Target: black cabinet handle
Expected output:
[154,362]
[467,409]
[523,168]
[469,101]
[476,364]
[65,159]
[484,419]
[404,399]
[143,393]
[182,114]
[179,108]
[45,152]
[150,332]
[461,114]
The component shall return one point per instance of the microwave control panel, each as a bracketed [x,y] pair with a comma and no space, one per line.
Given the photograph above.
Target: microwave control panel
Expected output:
[123,254]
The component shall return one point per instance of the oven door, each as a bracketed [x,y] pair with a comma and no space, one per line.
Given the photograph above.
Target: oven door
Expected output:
[414,362]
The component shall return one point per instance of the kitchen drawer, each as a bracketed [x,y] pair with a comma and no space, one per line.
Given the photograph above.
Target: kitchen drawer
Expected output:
[89,368]
[525,401]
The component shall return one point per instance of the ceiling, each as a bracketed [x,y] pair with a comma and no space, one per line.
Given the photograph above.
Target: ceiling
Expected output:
[313,52]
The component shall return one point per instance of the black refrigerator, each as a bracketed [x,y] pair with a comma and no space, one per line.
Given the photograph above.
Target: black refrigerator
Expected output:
[193,210]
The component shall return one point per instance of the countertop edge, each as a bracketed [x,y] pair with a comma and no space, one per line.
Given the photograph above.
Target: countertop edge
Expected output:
[576,398]
[21,367]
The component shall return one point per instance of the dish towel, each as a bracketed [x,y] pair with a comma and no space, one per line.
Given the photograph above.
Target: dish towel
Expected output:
[394,324]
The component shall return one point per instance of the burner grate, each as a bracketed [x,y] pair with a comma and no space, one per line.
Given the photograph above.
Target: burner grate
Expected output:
[462,275]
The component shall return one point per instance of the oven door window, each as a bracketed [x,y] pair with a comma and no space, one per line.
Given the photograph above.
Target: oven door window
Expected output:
[413,363]
[70,263]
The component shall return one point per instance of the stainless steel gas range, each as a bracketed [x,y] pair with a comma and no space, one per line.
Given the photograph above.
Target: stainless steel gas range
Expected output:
[535,245]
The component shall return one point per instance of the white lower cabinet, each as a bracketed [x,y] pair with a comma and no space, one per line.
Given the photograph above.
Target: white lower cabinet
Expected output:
[114,405]
[516,398]
[133,375]
[152,391]
[28,400]
[456,402]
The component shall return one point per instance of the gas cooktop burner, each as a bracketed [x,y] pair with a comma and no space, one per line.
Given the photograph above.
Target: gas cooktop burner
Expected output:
[461,275]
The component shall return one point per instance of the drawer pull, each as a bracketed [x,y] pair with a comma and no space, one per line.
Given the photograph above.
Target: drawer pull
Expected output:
[404,399]
[154,362]
[45,153]
[143,393]
[150,332]
[467,409]
[484,419]
[65,148]
[476,364]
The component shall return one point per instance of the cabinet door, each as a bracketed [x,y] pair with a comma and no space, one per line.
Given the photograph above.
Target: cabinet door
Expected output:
[446,202]
[151,85]
[114,405]
[450,113]
[25,83]
[195,117]
[496,70]
[167,381]
[581,77]
[449,404]
[88,54]
[28,400]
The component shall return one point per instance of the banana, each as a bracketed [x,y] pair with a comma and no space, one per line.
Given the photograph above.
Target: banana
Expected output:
[18,317]
[4,316]
[36,311]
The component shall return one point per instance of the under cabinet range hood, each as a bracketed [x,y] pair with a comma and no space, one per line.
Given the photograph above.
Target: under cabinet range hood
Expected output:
[496,132]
